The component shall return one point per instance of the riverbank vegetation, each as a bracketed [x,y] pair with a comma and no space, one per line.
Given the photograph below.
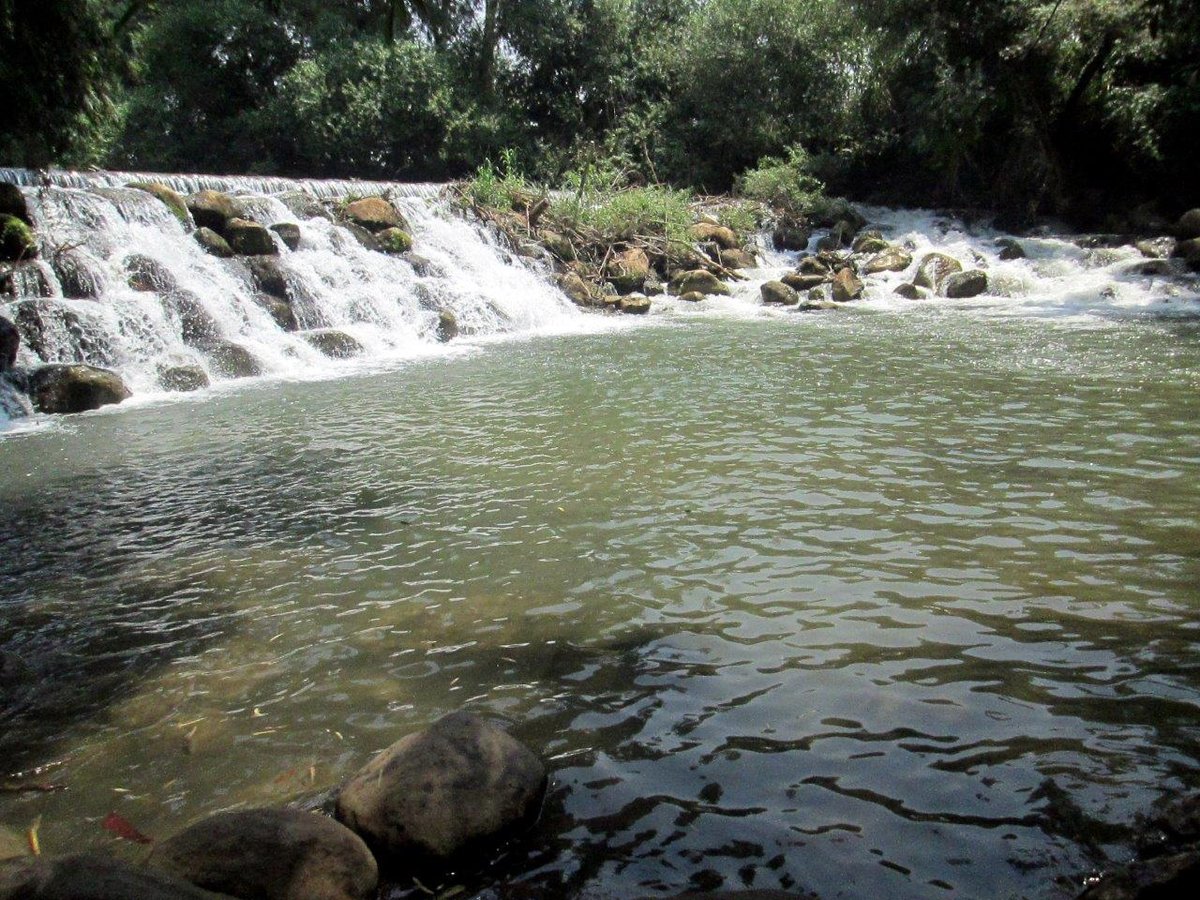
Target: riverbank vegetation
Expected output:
[1082,108]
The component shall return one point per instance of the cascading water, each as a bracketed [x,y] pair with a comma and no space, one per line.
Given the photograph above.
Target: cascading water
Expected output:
[120,281]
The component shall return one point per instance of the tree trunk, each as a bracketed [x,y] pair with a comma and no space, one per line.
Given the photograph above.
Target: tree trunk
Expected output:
[487,53]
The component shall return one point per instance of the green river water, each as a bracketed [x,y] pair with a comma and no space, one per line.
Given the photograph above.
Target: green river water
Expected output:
[879,603]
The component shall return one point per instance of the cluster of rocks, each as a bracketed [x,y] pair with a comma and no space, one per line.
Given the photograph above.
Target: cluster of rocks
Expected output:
[224,226]
[425,804]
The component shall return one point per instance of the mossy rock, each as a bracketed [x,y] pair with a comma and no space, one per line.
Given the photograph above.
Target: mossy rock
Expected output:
[171,199]
[249,238]
[777,292]
[394,241]
[213,209]
[374,214]
[961,285]
[333,343]
[289,233]
[870,242]
[212,243]
[12,202]
[17,240]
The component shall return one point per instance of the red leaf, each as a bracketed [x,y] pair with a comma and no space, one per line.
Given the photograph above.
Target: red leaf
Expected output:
[122,828]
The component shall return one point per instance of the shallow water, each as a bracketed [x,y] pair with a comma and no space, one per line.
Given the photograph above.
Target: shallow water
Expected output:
[816,602]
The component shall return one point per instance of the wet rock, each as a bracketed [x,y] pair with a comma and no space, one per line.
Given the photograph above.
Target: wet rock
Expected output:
[271,854]
[723,237]
[910,292]
[78,274]
[961,285]
[213,243]
[558,245]
[374,214]
[737,259]
[12,202]
[700,281]
[691,297]
[1188,226]
[447,326]
[799,282]
[652,287]
[1175,875]
[576,289]
[893,259]
[46,324]
[232,360]
[812,265]
[1189,252]
[268,276]
[280,310]
[91,877]
[144,273]
[1010,248]
[75,388]
[846,286]
[17,240]
[364,237]
[303,206]
[421,265]
[182,378]
[779,293]
[790,236]
[169,198]
[289,233]
[840,235]
[10,343]
[213,209]
[870,242]
[395,241]
[634,305]
[752,894]
[629,270]
[1156,248]
[1153,268]
[437,793]
[333,343]
[196,327]
[934,269]
[249,238]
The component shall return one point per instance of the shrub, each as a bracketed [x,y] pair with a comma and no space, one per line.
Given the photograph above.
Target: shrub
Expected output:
[786,184]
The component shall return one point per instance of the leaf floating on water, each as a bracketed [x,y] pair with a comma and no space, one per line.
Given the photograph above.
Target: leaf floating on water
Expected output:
[123,828]
[35,846]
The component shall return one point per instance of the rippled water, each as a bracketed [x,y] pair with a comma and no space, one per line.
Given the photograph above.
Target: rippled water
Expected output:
[813,602]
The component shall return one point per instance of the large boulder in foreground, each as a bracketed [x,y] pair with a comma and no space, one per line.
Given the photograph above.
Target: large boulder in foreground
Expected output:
[91,877]
[271,854]
[75,388]
[431,796]
[934,269]
[374,214]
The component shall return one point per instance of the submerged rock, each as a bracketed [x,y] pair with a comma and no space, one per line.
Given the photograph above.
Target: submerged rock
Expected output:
[271,854]
[92,877]
[910,292]
[961,285]
[75,388]
[692,297]
[303,206]
[846,286]
[779,293]
[700,281]
[182,378]
[934,269]
[375,214]
[268,276]
[213,243]
[169,198]
[249,238]
[1156,248]
[10,343]
[289,233]
[196,327]
[333,343]
[364,237]
[459,784]
[213,209]
[78,275]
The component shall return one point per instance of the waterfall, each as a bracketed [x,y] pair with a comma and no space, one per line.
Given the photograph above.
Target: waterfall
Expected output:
[123,284]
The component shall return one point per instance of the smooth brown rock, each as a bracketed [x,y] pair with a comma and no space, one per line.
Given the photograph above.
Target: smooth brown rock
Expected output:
[375,214]
[934,269]
[798,282]
[435,794]
[737,259]
[212,209]
[700,281]
[846,286]
[777,292]
[910,292]
[271,854]
[723,237]
[213,243]
[961,285]
[629,270]
[249,238]
[692,297]
[75,388]
[91,877]
[576,289]
[893,259]
[635,306]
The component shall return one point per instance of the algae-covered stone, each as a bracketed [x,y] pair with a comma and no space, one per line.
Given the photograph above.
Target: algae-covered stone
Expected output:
[374,214]
[435,794]
[394,240]
[289,233]
[213,209]
[249,238]
[271,854]
[213,243]
[846,286]
[699,280]
[870,242]
[333,343]
[75,388]
[971,283]
[893,259]
[935,268]
[17,240]
[171,199]
[12,202]
[780,293]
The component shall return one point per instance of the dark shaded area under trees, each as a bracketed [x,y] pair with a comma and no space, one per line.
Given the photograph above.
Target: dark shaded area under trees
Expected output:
[1082,108]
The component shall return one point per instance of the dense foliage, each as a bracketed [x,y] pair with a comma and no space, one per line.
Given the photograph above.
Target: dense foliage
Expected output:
[1027,106]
